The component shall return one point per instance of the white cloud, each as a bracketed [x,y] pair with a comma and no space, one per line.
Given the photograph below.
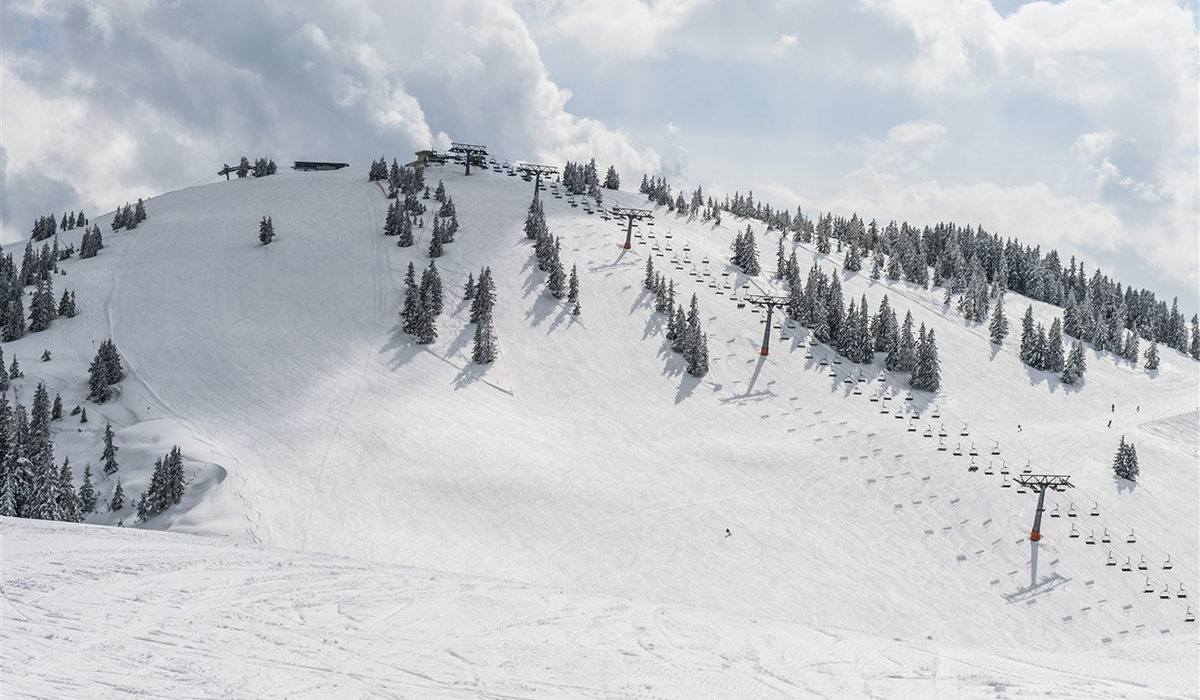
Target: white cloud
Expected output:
[126,98]
[625,28]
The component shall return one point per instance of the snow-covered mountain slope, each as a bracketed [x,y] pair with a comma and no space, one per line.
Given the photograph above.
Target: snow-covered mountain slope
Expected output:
[584,458]
[112,612]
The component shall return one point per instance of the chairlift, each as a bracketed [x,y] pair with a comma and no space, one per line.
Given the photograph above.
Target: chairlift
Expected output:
[973,452]
[899,414]
[964,432]
[824,362]
[1095,510]
[912,428]
[1149,587]
[996,449]
[1005,484]
[857,391]
[887,397]
[1181,593]
[1071,511]
[1131,539]
[884,409]
[1105,538]
[928,432]
[1142,565]
[884,379]
[807,354]
[1028,469]
[742,305]
[1091,538]
[874,398]
[847,380]
[1021,488]
[1111,560]
[1189,616]
[1054,513]
[1074,534]
[1165,593]
[972,467]
[937,412]
[957,449]
[942,431]
[908,397]
[837,360]
[861,378]
[988,469]
[1127,566]
[1167,564]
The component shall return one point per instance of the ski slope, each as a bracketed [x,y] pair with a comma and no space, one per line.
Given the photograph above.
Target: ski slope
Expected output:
[167,615]
[584,459]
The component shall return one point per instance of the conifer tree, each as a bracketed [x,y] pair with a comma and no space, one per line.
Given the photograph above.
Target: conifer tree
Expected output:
[469,288]
[780,261]
[431,289]
[1151,356]
[577,309]
[1125,464]
[573,285]
[1075,365]
[118,498]
[435,241]
[1053,360]
[404,232]
[484,351]
[14,327]
[69,509]
[927,373]
[83,415]
[266,230]
[425,325]
[1028,337]
[109,456]
[8,500]
[412,300]
[903,357]
[485,296]
[87,492]
[391,222]
[648,280]
[998,328]
[14,369]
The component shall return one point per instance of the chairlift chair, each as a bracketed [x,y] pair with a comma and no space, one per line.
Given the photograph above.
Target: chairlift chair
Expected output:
[1181,593]
[964,432]
[996,449]
[1149,587]
[1054,513]
[1189,616]
[857,391]
[942,431]
[882,379]
[1127,566]
[884,409]
[1074,534]
[1111,560]
[1105,538]
[972,467]
[1142,565]
[957,449]
[1005,484]
[912,428]
[941,446]
[988,469]
[1165,594]
[1021,488]
[899,414]
[1167,564]
[1091,538]
[1095,510]
[973,452]
[928,431]
[937,412]
[837,360]
[1028,469]
[1131,539]
[1071,511]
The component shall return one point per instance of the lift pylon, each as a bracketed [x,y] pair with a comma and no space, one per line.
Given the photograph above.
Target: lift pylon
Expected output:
[469,151]
[770,301]
[1041,482]
[632,215]
[537,171]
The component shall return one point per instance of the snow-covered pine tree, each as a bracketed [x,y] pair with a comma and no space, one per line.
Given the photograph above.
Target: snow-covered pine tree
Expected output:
[412,299]
[1075,365]
[557,277]
[139,212]
[485,296]
[749,255]
[266,230]
[14,327]
[484,351]
[852,262]
[1125,464]
[612,181]
[469,287]
[108,458]
[69,509]
[1152,356]
[998,328]
[927,374]
[391,222]
[573,285]
[904,357]
[648,280]
[834,308]
[439,194]
[117,502]
[87,492]
[431,288]
[1028,337]
[425,323]
[435,240]
[98,390]
[1054,360]
[404,232]
[780,260]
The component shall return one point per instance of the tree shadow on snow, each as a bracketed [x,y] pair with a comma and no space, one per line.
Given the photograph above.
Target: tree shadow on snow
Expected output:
[466,335]
[543,306]
[1124,485]
[469,374]
[687,386]
[401,347]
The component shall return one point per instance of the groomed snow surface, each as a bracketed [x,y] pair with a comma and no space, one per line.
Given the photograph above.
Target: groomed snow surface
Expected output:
[585,465]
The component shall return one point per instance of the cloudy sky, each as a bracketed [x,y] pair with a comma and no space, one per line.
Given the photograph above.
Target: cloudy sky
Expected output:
[1070,124]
